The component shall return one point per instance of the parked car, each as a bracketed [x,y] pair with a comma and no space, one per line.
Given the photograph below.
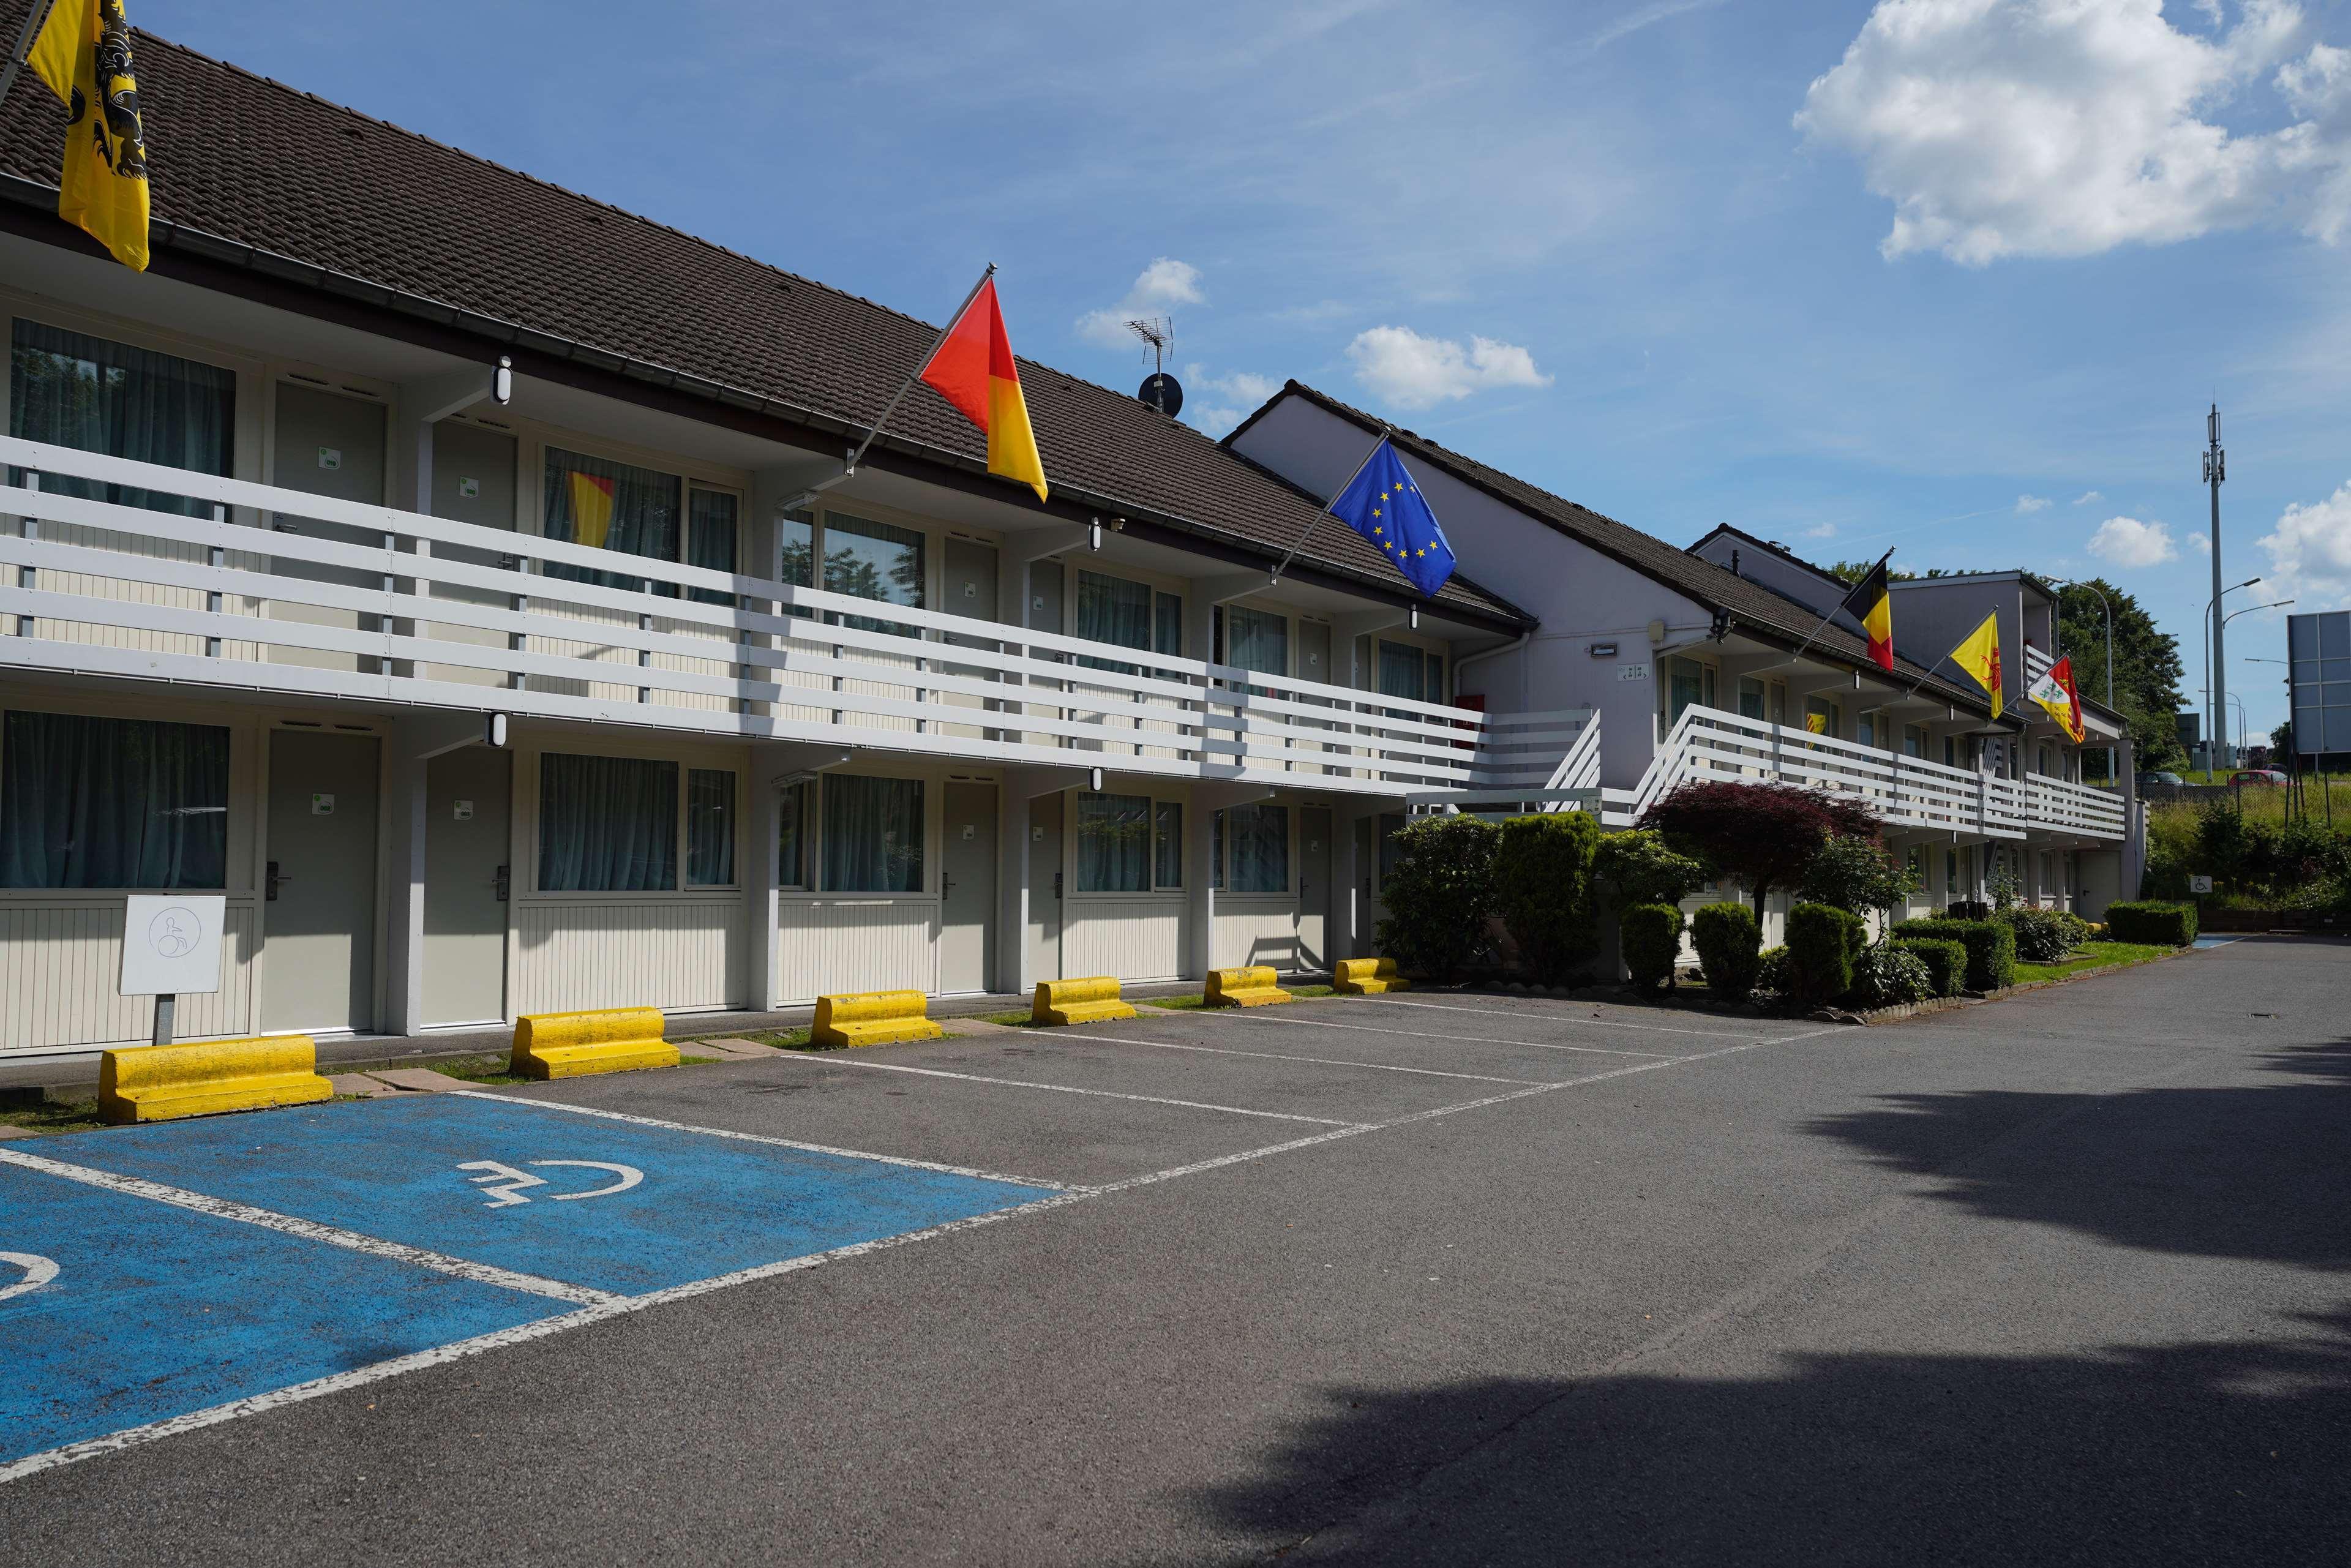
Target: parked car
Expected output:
[2147,779]
[2268,778]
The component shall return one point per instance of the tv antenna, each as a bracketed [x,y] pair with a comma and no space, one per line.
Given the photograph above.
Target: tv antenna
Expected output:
[1159,389]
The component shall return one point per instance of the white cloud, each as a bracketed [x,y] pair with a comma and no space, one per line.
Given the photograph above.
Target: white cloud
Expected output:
[2032,504]
[2088,498]
[2066,128]
[1404,368]
[1819,532]
[2127,542]
[1158,289]
[1239,393]
[2310,553]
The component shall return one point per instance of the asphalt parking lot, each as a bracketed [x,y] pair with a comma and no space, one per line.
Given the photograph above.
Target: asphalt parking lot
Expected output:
[1434,1277]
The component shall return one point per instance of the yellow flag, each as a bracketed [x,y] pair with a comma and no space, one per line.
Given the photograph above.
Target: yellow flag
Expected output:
[83,52]
[1979,655]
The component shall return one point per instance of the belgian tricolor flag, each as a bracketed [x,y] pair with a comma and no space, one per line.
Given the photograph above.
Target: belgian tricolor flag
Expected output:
[1872,603]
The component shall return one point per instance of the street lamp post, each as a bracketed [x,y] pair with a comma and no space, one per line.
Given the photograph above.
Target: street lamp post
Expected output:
[2225,698]
[2211,745]
[2113,764]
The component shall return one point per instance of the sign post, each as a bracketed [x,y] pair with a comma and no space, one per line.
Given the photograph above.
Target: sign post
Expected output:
[171,947]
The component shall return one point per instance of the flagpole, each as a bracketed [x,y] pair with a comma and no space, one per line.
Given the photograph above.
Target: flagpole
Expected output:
[1303,534]
[34,19]
[1833,614]
[850,472]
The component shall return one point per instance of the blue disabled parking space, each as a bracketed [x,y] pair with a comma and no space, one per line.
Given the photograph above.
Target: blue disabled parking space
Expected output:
[117,1312]
[618,1207]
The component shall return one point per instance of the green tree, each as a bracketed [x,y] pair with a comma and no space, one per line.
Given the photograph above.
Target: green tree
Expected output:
[2147,667]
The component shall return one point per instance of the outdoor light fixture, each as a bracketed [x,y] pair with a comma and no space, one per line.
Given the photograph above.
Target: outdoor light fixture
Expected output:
[1412,619]
[1093,534]
[502,381]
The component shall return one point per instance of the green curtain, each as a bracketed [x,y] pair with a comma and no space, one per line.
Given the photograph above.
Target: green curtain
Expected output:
[1401,673]
[72,390]
[112,803]
[1259,835]
[873,834]
[1114,843]
[607,824]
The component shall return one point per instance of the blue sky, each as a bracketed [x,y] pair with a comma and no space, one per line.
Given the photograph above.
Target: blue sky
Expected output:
[1956,276]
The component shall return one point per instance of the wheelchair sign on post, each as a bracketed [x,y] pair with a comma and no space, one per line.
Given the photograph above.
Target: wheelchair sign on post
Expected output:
[170,948]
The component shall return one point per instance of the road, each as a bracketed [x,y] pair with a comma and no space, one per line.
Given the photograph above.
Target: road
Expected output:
[1437,1279]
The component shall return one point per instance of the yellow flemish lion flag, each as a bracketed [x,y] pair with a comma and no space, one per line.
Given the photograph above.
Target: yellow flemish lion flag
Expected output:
[83,52]
[1978,654]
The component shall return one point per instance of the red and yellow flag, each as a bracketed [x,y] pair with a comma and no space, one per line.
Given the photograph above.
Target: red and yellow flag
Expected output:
[83,52]
[973,369]
[1978,654]
[2055,692]
[591,509]
[1872,603]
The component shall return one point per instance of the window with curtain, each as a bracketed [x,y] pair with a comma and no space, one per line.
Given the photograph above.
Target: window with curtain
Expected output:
[1821,718]
[1391,848]
[709,827]
[1167,623]
[1217,850]
[1866,728]
[1686,685]
[1168,838]
[1914,740]
[1257,640]
[610,506]
[1259,835]
[1401,672]
[112,803]
[72,390]
[1750,698]
[873,834]
[867,560]
[1435,678]
[710,539]
[792,837]
[607,824]
[1114,843]
[1113,610]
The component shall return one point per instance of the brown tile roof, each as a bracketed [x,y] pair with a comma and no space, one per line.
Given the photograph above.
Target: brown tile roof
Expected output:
[1716,587]
[249,160]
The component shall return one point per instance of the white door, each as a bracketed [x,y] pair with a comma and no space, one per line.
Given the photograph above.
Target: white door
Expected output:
[968,889]
[318,945]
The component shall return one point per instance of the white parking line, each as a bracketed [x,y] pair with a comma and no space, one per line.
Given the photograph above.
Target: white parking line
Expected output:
[612,1307]
[1066,1089]
[1475,1039]
[309,1230]
[756,1138]
[1317,1061]
[1515,1013]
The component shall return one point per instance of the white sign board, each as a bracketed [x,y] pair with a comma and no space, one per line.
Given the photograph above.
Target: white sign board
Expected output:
[2200,885]
[171,943]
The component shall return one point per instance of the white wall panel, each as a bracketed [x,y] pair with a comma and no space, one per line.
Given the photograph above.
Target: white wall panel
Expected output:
[1134,938]
[829,944]
[1256,929]
[61,962]
[642,951]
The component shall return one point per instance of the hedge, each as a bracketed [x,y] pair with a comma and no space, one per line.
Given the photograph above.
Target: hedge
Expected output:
[2151,921]
[1822,942]
[1890,977]
[1438,894]
[1990,945]
[1543,891]
[1729,947]
[1946,961]
[2045,936]
[1651,936]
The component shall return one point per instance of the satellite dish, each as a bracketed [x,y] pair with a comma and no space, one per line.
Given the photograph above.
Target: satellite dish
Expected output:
[1162,391]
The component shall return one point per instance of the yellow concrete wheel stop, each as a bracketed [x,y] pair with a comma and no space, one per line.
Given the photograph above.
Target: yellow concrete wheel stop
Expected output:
[1368,977]
[873,1017]
[573,1045]
[159,1083]
[1093,999]
[1251,988]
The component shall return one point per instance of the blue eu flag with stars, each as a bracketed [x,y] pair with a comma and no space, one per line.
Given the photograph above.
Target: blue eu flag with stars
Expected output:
[1384,505]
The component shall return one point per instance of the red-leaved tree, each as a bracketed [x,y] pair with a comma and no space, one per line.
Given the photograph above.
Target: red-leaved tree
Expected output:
[1763,834]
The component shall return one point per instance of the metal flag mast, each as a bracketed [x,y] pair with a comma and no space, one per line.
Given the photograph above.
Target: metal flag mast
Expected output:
[849,471]
[1298,544]
[34,19]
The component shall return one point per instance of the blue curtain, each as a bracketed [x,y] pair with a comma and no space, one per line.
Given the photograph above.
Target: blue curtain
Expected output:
[1260,840]
[709,827]
[1114,843]
[112,803]
[873,834]
[72,390]
[607,824]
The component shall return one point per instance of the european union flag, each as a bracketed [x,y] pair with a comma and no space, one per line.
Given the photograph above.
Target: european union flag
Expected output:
[1385,505]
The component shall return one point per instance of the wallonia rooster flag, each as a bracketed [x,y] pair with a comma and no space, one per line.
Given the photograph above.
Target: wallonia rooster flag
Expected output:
[973,369]
[2055,691]
[83,52]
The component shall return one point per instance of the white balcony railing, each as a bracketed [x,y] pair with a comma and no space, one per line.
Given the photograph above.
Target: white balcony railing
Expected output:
[281,591]
[1710,745]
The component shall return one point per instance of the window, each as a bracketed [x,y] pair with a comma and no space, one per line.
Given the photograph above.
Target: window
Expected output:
[793,827]
[1689,684]
[1128,614]
[1779,702]
[112,803]
[1866,728]
[1168,838]
[710,539]
[610,506]
[72,390]
[1257,640]
[796,549]
[1950,751]
[710,827]
[1217,850]
[873,834]
[1435,678]
[1391,849]
[1821,718]
[1402,671]
[1114,843]
[867,560]
[1259,836]
[1750,698]
[1914,740]
[1167,616]
[607,824]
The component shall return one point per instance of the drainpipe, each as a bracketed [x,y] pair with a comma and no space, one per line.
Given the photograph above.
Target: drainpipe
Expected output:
[1513,646]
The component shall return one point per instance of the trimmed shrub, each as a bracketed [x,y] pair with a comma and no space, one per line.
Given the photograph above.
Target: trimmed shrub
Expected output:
[1946,961]
[1543,892]
[1888,977]
[1652,938]
[1638,867]
[1968,909]
[1857,874]
[2146,920]
[1729,947]
[1438,894]
[1821,945]
[2045,936]
[1772,971]
[1990,945]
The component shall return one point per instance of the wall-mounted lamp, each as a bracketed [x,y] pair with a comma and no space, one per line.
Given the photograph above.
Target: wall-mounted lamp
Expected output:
[1093,780]
[494,729]
[1093,534]
[502,381]
[1412,619]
